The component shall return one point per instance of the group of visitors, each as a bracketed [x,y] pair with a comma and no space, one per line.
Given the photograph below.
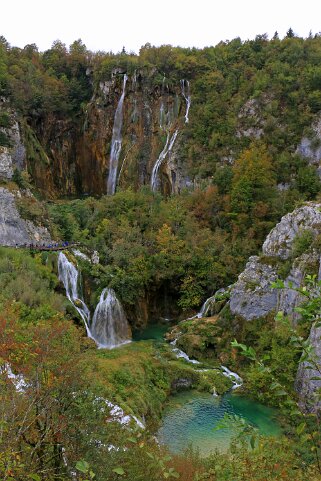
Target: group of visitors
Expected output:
[45,247]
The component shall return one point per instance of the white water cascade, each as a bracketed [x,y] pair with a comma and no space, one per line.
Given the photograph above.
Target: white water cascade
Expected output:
[166,151]
[181,354]
[110,327]
[68,275]
[116,142]
[187,96]
[235,378]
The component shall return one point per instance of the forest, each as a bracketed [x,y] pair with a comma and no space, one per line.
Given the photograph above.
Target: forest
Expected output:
[163,253]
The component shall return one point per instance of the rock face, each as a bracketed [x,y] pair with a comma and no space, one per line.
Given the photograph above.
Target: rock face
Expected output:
[279,242]
[13,154]
[15,230]
[153,107]
[252,296]
[306,384]
[310,148]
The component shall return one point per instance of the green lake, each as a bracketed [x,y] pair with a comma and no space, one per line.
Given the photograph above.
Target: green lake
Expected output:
[190,418]
[154,331]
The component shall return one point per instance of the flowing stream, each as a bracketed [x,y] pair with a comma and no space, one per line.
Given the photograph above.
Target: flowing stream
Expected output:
[109,327]
[116,142]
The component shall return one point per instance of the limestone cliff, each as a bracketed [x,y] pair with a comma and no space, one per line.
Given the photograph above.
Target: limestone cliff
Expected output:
[252,296]
[290,250]
[12,150]
[73,156]
[14,230]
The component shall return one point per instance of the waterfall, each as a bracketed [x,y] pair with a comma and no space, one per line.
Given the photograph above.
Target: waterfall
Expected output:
[179,353]
[235,378]
[17,380]
[166,150]
[187,97]
[211,300]
[109,325]
[116,143]
[205,307]
[69,276]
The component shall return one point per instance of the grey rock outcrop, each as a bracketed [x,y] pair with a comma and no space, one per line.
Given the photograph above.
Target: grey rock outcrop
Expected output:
[15,230]
[308,387]
[252,296]
[13,156]
[279,242]
[310,148]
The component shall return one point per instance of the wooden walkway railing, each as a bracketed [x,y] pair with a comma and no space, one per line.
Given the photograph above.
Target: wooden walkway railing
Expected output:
[50,247]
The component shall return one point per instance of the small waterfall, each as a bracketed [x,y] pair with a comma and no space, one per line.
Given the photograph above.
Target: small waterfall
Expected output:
[116,143]
[179,353]
[235,378]
[208,303]
[166,151]
[205,307]
[17,380]
[109,325]
[69,276]
[187,96]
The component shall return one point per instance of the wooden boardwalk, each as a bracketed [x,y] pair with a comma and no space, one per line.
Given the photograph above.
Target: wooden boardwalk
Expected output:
[47,248]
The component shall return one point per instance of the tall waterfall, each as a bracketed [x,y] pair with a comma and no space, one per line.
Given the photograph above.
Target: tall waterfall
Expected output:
[109,325]
[69,276]
[187,96]
[162,108]
[116,143]
[166,150]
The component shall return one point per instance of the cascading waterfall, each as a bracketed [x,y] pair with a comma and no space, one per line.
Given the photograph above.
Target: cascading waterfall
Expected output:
[235,378]
[209,302]
[116,143]
[179,353]
[110,327]
[166,151]
[187,96]
[69,276]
